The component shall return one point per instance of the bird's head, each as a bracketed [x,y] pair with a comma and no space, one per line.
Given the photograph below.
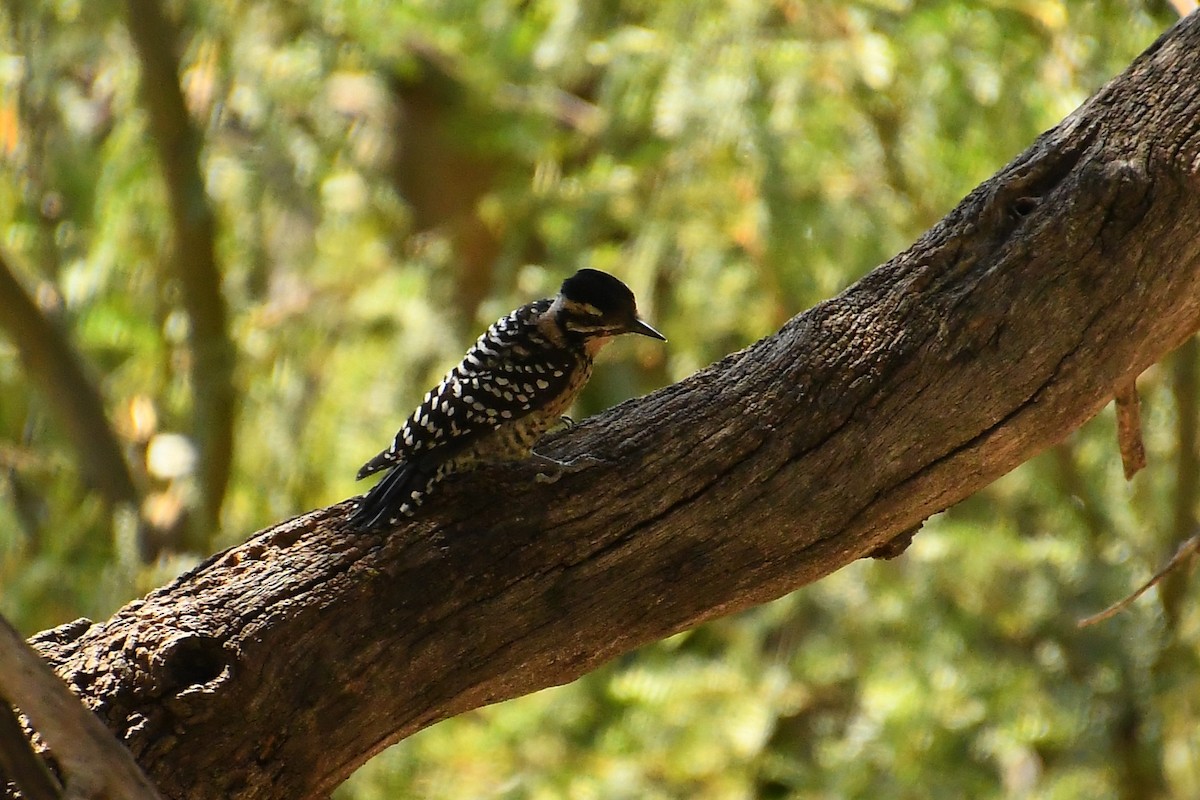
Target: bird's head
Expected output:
[594,305]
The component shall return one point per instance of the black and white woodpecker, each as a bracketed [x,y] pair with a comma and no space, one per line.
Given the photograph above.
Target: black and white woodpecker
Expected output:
[514,383]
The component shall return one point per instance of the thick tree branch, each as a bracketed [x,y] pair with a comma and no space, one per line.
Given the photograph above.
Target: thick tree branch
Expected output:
[95,766]
[193,255]
[277,667]
[74,400]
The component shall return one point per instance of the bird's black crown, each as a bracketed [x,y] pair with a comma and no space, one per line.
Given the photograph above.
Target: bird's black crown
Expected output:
[598,289]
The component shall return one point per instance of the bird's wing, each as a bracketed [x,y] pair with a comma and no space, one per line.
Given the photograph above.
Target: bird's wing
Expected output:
[510,372]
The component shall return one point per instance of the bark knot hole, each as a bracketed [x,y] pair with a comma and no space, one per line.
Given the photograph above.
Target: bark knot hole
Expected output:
[192,660]
[1024,206]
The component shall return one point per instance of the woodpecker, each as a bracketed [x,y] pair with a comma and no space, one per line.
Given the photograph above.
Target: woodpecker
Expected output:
[515,382]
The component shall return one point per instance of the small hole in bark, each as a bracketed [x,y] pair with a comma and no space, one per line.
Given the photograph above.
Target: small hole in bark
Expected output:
[82,680]
[1024,206]
[192,661]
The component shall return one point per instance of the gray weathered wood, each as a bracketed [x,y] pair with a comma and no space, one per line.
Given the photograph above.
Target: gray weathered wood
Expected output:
[94,765]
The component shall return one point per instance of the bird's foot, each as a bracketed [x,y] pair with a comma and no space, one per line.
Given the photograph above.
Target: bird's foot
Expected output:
[567,422]
[551,469]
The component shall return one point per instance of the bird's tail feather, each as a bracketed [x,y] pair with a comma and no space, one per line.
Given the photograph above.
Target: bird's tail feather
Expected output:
[396,495]
[380,462]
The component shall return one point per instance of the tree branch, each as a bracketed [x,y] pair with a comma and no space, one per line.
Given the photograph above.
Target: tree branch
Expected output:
[95,765]
[277,667]
[1186,551]
[1185,386]
[74,400]
[18,761]
[193,256]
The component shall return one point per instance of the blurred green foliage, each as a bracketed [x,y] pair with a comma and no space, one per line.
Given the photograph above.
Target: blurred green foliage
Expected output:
[390,177]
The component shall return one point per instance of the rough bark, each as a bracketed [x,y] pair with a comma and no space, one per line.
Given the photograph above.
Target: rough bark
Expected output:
[277,667]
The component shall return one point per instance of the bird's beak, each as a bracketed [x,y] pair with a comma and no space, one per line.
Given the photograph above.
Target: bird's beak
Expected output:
[640,327]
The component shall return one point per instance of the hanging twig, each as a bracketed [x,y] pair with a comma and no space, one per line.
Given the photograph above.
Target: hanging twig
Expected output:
[1185,551]
[1129,429]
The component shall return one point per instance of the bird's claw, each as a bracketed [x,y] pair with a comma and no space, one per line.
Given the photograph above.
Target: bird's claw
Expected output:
[553,469]
[548,477]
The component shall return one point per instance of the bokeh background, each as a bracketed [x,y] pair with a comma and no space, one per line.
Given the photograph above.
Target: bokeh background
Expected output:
[374,182]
